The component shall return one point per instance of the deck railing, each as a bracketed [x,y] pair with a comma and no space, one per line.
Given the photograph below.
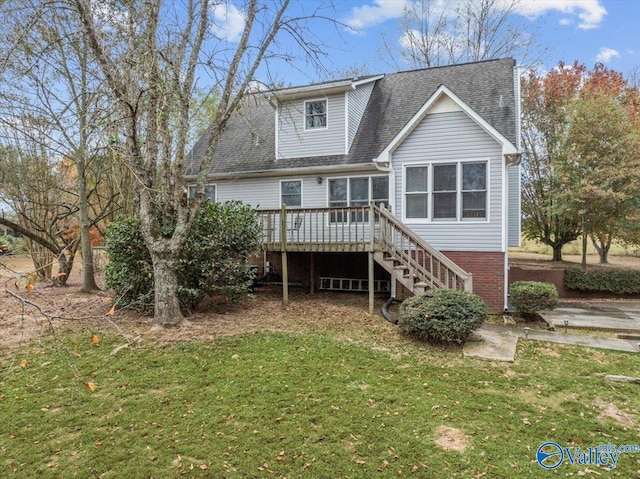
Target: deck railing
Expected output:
[360,228]
[317,229]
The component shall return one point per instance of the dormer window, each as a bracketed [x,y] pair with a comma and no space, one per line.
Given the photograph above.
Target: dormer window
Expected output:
[315,114]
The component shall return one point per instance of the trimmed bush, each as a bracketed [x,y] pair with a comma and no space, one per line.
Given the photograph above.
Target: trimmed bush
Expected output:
[443,315]
[530,297]
[214,258]
[615,281]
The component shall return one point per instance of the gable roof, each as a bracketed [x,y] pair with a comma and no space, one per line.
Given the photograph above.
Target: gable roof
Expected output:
[247,146]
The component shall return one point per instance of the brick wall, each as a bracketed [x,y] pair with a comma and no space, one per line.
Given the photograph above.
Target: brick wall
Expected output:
[488,275]
[554,276]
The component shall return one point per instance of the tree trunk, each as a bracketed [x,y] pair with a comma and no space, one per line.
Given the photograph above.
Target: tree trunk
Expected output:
[88,274]
[602,247]
[167,307]
[557,252]
[65,265]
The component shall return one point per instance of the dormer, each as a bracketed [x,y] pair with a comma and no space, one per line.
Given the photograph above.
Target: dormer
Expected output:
[321,119]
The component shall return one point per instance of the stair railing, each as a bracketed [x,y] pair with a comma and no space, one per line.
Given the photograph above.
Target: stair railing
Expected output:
[429,265]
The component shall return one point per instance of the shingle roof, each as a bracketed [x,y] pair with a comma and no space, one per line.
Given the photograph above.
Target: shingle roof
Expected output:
[248,143]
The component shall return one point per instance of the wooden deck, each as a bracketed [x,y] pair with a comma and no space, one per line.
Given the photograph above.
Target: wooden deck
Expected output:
[372,229]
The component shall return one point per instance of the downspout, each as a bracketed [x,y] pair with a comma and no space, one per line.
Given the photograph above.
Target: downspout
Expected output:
[511,159]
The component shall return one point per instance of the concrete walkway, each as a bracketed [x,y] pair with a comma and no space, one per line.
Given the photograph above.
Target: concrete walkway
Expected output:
[621,316]
[498,343]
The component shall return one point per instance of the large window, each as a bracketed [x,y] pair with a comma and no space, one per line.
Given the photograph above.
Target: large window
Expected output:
[209,192]
[315,114]
[450,191]
[291,193]
[358,191]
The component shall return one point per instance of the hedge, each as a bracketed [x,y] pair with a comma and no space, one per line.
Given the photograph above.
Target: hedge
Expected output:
[530,297]
[615,281]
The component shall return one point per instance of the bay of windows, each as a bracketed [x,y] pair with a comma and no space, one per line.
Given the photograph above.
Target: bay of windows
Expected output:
[449,191]
[357,191]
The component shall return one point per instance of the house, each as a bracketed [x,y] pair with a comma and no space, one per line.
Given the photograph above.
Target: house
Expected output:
[411,177]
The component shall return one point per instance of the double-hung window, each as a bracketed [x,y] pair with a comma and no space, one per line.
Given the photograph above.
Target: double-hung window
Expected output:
[449,191]
[315,114]
[291,193]
[357,191]
[209,192]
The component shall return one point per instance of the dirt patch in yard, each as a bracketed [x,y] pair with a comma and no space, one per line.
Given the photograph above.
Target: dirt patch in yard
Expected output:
[27,315]
[451,438]
[611,411]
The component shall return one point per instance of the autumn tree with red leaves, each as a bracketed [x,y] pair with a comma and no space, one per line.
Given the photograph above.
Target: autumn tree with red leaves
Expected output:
[581,167]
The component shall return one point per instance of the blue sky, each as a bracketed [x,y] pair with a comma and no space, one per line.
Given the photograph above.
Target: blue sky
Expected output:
[585,30]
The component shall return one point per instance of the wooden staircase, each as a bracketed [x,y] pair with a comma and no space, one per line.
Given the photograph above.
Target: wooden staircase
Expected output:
[412,261]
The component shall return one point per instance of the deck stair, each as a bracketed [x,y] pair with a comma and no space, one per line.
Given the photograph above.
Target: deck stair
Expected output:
[412,261]
[408,258]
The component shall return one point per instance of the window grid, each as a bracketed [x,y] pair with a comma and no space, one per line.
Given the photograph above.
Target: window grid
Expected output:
[446,191]
[343,193]
[315,114]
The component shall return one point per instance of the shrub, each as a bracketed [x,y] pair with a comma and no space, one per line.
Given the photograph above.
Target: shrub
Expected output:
[443,315]
[214,258]
[530,297]
[614,281]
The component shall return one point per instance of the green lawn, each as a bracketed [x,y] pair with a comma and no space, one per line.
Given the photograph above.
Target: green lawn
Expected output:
[308,405]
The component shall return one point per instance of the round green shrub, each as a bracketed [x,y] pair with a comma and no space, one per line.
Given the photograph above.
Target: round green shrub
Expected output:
[214,258]
[443,315]
[530,297]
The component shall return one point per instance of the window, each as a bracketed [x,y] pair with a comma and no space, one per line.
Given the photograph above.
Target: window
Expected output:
[474,190]
[358,191]
[291,193]
[417,189]
[450,191]
[315,114]
[209,192]
[444,191]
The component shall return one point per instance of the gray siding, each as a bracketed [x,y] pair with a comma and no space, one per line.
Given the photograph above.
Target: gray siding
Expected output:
[514,205]
[446,137]
[265,192]
[296,142]
[357,100]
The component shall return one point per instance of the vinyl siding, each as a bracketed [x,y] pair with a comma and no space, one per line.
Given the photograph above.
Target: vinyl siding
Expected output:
[296,142]
[514,202]
[264,193]
[357,100]
[448,137]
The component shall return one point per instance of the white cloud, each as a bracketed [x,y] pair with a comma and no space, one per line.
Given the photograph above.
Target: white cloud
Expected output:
[606,54]
[228,21]
[375,13]
[589,12]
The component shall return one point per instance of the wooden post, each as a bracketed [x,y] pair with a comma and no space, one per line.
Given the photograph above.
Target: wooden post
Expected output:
[283,249]
[285,279]
[371,284]
[372,225]
[312,273]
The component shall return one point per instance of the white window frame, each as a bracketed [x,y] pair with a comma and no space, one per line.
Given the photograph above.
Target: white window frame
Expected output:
[369,192]
[299,180]
[459,192]
[191,191]
[326,114]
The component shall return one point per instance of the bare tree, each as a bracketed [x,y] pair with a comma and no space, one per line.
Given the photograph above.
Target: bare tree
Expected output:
[48,74]
[164,50]
[442,32]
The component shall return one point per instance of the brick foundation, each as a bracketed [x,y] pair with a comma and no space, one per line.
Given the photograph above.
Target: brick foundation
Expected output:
[488,275]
